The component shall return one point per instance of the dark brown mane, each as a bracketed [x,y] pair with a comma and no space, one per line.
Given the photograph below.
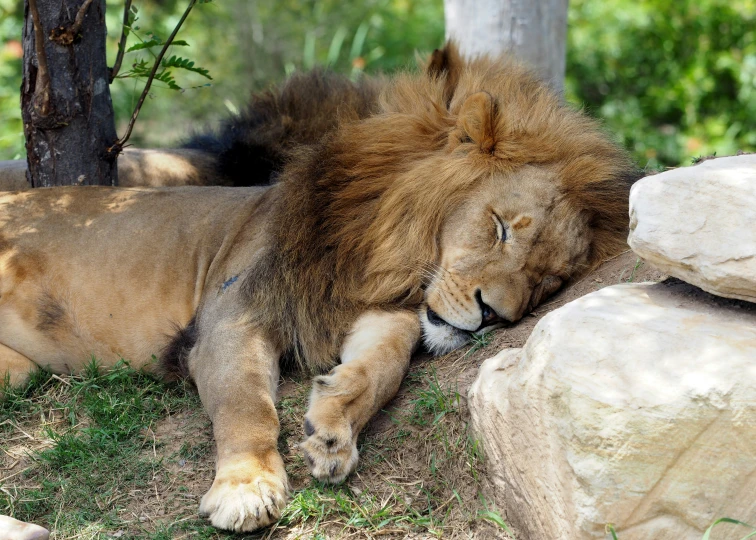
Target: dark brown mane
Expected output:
[358,216]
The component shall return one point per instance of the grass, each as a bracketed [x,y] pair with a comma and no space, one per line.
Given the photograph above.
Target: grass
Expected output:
[91,445]
[120,454]
[428,424]
[707,534]
[479,341]
[631,278]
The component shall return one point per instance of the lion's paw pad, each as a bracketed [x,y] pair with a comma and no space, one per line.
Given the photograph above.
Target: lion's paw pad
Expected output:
[238,505]
[331,454]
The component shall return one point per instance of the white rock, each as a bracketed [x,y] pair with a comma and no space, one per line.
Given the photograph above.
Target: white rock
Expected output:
[698,223]
[12,529]
[634,405]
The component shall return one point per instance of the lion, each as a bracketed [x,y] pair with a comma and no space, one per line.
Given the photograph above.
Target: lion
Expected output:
[465,198]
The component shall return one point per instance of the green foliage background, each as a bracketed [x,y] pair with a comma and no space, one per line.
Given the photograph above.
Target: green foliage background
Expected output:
[673,80]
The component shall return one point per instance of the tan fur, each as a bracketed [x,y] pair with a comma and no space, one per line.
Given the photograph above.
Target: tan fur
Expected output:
[390,222]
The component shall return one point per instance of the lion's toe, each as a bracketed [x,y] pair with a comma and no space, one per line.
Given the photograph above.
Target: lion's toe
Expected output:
[331,454]
[244,506]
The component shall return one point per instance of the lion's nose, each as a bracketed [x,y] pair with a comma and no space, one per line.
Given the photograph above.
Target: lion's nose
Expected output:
[488,315]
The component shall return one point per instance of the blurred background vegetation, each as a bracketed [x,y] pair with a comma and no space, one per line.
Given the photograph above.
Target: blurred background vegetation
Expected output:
[672,79]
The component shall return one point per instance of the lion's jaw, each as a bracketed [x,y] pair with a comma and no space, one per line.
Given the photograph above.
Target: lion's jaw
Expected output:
[509,246]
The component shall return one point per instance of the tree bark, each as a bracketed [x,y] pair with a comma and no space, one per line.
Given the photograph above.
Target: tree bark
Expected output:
[68,116]
[535,31]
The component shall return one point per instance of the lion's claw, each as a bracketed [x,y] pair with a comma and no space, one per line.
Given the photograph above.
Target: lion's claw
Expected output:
[239,506]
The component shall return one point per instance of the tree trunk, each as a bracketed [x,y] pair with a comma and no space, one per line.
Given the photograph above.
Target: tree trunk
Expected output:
[65,98]
[535,31]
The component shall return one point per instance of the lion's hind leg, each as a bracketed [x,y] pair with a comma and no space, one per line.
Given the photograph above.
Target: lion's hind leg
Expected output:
[15,368]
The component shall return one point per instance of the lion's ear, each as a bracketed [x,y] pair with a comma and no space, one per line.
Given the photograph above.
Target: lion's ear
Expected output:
[446,62]
[477,121]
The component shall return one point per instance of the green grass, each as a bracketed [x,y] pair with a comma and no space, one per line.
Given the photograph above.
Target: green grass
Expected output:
[494,517]
[432,402]
[354,509]
[96,441]
[390,508]
[631,278]
[103,460]
[479,341]
[428,423]
[455,457]
[733,521]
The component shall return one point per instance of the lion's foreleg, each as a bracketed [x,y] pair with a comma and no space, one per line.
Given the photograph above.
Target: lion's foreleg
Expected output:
[236,372]
[375,358]
[15,368]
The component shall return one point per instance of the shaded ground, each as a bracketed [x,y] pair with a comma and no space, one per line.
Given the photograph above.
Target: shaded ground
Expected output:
[119,455]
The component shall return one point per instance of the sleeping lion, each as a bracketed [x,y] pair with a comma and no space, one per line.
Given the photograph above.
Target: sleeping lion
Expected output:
[455,203]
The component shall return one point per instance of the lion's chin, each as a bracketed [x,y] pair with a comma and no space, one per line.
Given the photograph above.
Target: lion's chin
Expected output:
[443,338]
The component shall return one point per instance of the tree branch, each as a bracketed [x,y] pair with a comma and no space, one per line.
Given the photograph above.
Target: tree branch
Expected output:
[118,146]
[67,35]
[42,88]
[121,44]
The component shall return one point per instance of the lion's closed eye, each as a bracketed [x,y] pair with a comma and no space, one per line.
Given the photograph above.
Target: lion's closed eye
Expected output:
[501,229]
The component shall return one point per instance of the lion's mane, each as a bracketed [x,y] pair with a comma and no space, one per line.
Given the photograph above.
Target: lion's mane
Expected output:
[358,215]
[251,148]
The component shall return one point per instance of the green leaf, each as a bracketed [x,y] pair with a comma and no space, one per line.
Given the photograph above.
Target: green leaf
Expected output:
[166,77]
[185,63]
[154,42]
[494,517]
[729,520]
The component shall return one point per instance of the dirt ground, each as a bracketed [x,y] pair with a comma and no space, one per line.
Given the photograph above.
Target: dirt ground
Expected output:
[421,474]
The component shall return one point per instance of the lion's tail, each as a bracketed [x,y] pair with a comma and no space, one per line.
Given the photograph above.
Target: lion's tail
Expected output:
[174,360]
[252,147]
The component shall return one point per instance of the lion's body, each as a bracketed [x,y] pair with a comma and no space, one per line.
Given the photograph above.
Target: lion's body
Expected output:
[69,260]
[467,196]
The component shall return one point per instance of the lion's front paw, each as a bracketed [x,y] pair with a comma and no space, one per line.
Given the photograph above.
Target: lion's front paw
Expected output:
[330,449]
[244,504]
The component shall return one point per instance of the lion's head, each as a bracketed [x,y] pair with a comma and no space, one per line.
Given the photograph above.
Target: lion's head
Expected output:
[472,195]
[512,243]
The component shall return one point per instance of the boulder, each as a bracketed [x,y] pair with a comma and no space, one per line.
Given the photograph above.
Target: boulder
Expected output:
[698,224]
[634,406]
[12,529]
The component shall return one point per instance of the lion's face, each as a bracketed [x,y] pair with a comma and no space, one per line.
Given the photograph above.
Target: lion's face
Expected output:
[505,249]
[476,204]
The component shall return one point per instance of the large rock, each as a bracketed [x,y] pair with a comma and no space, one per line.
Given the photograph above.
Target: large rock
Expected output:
[12,529]
[699,224]
[634,405]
